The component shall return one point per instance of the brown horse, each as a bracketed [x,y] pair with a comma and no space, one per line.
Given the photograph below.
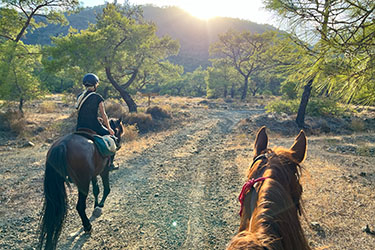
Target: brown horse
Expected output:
[77,158]
[271,199]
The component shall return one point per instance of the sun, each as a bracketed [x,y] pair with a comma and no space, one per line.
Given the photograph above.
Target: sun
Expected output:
[202,9]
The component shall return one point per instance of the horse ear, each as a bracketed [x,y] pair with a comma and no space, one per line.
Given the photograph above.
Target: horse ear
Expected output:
[261,141]
[299,147]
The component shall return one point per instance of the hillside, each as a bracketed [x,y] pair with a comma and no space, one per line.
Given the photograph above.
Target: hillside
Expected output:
[194,34]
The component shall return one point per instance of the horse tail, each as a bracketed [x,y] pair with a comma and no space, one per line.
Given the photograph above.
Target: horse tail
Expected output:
[55,198]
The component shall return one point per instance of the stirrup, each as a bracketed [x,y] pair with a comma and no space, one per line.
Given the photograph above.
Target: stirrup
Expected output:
[112,167]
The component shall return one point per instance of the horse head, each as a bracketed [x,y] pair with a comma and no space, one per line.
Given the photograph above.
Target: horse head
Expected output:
[271,198]
[118,127]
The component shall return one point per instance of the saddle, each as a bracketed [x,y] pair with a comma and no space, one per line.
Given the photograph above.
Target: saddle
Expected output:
[106,144]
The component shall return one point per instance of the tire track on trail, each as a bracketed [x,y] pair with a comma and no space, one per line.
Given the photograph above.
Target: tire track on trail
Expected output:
[179,194]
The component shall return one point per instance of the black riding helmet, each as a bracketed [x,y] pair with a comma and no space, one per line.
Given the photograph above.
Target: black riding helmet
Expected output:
[90,79]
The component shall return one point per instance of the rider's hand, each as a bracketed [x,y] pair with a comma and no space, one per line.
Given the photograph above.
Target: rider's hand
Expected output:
[111,131]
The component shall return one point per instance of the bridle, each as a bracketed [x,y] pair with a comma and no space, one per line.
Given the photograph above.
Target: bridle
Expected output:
[249,185]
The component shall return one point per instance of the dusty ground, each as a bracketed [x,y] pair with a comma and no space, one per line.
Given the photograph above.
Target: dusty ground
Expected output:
[178,189]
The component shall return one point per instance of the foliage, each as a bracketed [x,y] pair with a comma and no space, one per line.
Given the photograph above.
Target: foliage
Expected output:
[19,62]
[344,51]
[195,83]
[26,11]
[222,80]
[288,89]
[316,107]
[120,46]
[244,51]
[17,77]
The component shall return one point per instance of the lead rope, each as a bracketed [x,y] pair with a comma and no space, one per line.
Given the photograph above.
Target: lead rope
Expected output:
[250,183]
[246,187]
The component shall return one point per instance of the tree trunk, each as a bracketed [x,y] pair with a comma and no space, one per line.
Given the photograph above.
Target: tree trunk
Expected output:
[20,105]
[105,92]
[124,94]
[245,87]
[300,120]
[232,91]
[225,92]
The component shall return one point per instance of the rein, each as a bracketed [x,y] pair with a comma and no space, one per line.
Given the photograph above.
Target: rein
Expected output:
[250,183]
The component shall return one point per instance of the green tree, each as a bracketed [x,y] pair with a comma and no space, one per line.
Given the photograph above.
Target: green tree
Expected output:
[155,77]
[20,83]
[120,45]
[244,51]
[343,34]
[195,83]
[223,80]
[19,62]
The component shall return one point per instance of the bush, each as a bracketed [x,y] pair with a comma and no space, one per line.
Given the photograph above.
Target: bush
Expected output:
[48,107]
[130,133]
[14,121]
[115,109]
[158,113]
[358,125]
[283,106]
[288,90]
[143,121]
[324,107]
[316,107]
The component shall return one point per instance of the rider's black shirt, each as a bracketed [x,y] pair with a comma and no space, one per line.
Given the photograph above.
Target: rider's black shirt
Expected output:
[88,114]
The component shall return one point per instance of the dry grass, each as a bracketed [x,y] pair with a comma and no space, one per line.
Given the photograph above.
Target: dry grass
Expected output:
[130,133]
[48,107]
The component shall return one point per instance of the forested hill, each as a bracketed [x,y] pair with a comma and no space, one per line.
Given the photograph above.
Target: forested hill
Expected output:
[194,34]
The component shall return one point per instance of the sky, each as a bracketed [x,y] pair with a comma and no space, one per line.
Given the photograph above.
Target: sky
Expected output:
[252,10]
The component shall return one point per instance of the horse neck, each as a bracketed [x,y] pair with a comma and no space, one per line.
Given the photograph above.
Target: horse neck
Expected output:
[275,219]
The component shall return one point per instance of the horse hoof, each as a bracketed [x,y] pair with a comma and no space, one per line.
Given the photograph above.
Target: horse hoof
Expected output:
[88,229]
[97,212]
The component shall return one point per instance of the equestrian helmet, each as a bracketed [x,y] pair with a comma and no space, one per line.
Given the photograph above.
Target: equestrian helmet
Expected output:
[90,79]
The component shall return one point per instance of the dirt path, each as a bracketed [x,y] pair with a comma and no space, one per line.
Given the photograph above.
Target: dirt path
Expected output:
[178,194]
[178,189]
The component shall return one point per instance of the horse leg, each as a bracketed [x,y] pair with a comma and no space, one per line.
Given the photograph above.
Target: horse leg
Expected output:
[106,188]
[81,207]
[95,190]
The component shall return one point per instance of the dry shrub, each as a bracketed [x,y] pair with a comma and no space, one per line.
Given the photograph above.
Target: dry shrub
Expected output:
[14,121]
[158,113]
[357,125]
[48,107]
[143,121]
[114,109]
[130,133]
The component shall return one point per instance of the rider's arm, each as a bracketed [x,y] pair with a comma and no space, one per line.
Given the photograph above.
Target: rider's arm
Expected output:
[105,118]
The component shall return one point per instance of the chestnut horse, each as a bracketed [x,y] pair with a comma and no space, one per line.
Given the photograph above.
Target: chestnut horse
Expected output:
[76,158]
[271,198]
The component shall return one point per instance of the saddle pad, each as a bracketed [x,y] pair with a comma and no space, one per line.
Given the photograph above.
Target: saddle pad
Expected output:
[105,144]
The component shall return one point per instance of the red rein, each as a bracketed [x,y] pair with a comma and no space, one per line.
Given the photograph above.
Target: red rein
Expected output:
[246,187]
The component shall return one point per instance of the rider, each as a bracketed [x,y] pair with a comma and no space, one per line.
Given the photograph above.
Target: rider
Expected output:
[88,104]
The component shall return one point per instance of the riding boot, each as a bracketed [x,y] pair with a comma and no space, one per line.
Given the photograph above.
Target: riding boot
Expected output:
[111,165]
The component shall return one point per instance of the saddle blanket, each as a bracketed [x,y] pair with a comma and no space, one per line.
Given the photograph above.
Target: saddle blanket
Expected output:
[106,145]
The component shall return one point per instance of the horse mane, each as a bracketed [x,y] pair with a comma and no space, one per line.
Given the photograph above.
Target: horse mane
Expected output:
[275,223]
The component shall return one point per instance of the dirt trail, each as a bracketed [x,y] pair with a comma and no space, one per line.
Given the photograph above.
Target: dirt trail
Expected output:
[178,189]
[179,194]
